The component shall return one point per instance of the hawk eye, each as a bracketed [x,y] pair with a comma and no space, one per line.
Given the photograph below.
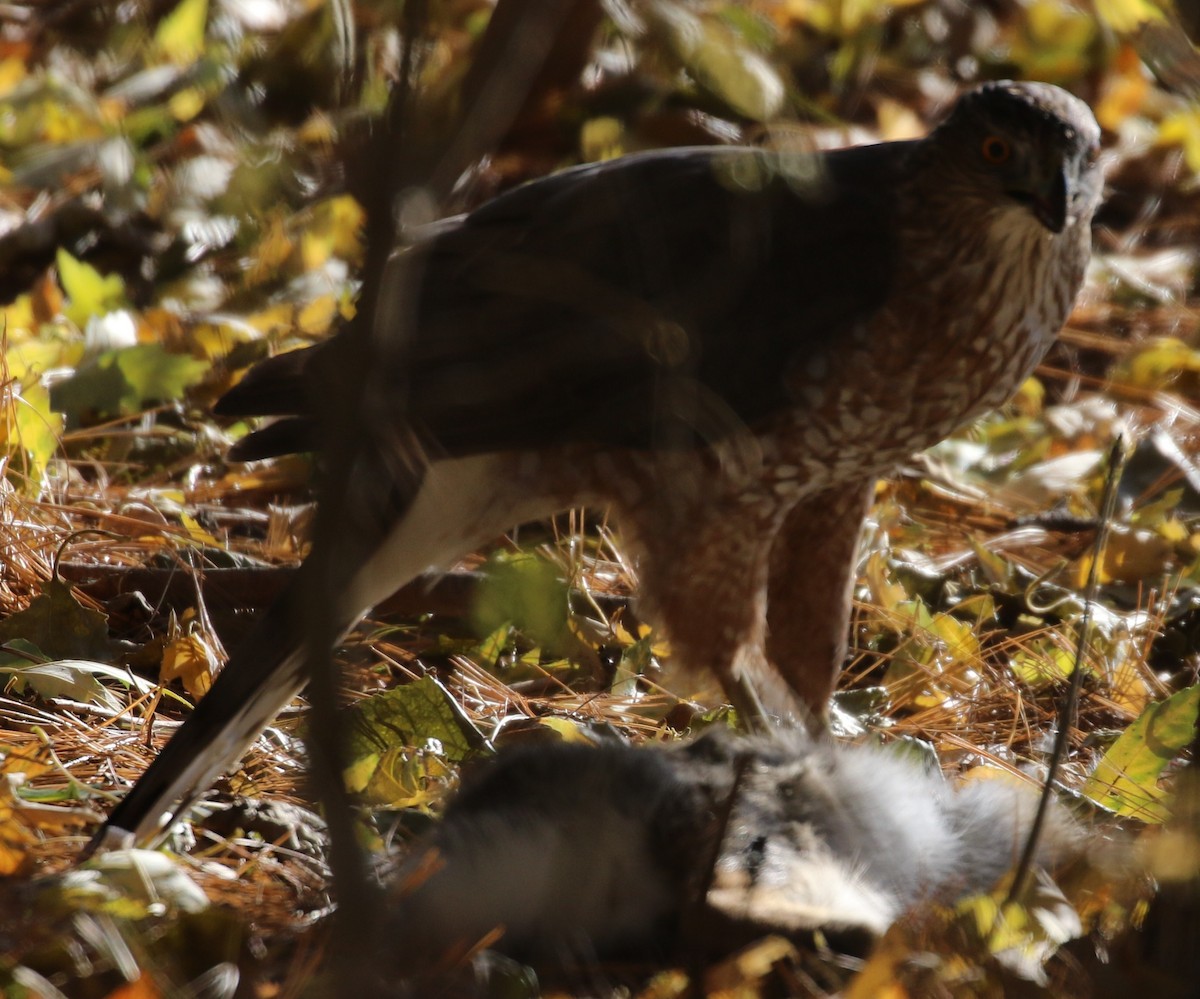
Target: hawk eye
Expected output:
[995,149]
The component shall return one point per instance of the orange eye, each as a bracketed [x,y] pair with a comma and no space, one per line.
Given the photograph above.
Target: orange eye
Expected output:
[995,149]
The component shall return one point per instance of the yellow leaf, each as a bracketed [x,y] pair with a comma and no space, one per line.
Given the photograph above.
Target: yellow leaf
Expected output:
[358,774]
[402,779]
[318,315]
[27,361]
[1030,397]
[1172,855]
[1183,129]
[91,293]
[273,319]
[282,475]
[1126,90]
[12,72]
[186,104]
[180,35]
[271,253]
[1128,16]
[622,634]
[16,837]
[318,130]
[17,316]
[190,659]
[1129,556]
[334,230]
[567,730]
[720,60]
[1041,664]
[217,339]
[898,121]
[815,15]
[959,640]
[1127,684]
[746,966]
[61,123]
[197,533]
[880,977]
[20,763]
[1163,360]
[1126,780]
[112,111]
[34,427]
[316,247]
[601,138]
[1057,23]
[1174,531]
[884,592]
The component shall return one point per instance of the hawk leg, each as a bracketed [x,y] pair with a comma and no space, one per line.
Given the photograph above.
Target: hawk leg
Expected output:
[703,579]
[811,582]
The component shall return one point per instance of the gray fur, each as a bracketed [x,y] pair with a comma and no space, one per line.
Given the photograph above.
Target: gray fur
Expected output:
[570,851]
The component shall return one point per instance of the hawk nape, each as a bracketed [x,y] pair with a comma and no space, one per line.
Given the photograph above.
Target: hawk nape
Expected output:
[724,346]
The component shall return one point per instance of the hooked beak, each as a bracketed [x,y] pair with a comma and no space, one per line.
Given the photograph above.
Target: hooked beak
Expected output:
[1047,199]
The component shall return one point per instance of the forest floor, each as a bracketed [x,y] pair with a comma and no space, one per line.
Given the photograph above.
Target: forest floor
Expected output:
[171,212]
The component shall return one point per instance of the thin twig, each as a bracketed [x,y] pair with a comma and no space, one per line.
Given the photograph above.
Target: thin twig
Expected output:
[373,464]
[358,898]
[1070,701]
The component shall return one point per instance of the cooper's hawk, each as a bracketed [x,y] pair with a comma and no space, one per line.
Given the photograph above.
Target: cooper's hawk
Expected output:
[725,346]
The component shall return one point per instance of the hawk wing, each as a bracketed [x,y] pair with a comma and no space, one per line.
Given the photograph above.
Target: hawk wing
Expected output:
[659,300]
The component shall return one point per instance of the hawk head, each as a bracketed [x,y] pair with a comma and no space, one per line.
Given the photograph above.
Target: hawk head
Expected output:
[1027,147]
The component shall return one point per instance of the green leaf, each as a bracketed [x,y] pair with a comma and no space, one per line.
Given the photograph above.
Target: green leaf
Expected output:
[525,591]
[90,292]
[94,391]
[154,374]
[61,628]
[415,715]
[125,381]
[1126,780]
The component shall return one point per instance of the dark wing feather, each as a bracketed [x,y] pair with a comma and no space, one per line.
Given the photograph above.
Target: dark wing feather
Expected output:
[291,435]
[275,386]
[657,300]
[278,386]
